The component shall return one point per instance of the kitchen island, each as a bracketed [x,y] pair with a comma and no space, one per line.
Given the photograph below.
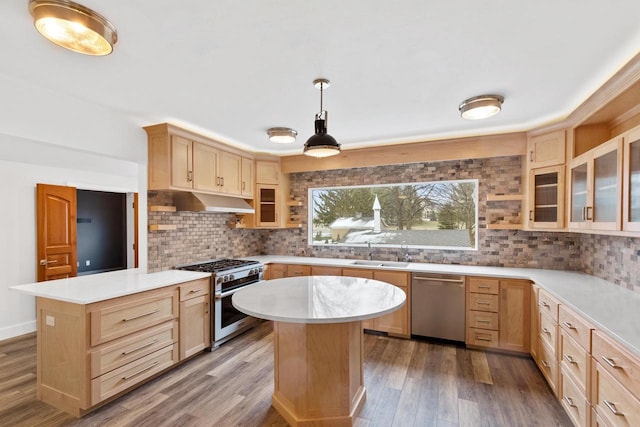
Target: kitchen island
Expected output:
[318,342]
[101,335]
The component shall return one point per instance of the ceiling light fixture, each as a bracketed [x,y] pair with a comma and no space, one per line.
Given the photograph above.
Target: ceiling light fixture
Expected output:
[282,135]
[321,144]
[73,26]
[481,107]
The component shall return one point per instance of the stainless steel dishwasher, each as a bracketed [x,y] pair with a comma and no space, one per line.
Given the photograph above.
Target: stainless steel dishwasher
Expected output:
[437,306]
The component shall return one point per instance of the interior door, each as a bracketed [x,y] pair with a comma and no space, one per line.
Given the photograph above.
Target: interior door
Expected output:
[56,232]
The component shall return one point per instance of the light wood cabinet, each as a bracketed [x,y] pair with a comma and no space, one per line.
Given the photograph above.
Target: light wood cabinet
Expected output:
[498,313]
[595,188]
[195,318]
[275,271]
[396,323]
[631,185]
[89,353]
[268,206]
[267,172]
[321,270]
[545,316]
[547,149]
[546,197]
[183,160]
[246,186]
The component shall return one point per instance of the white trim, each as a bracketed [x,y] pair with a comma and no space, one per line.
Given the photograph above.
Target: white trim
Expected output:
[17,330]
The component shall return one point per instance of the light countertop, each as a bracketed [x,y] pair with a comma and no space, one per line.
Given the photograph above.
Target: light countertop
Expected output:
[319,299]
[610,308]
[99,287]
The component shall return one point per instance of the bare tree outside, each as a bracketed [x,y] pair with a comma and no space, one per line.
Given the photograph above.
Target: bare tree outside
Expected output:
[427,214]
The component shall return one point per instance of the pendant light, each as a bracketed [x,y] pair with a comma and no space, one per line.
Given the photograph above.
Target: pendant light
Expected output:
[321,144]
[73,26]
[481,107]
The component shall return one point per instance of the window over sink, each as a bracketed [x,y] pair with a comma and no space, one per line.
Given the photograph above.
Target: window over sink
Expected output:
[437,215]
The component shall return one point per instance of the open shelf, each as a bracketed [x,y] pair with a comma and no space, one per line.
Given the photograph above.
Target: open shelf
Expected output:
[157,208]
[162,227]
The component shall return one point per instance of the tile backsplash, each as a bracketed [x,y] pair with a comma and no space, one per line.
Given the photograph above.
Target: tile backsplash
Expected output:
[201,236]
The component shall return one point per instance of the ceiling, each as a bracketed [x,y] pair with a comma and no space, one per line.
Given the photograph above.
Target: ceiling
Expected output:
[398,70]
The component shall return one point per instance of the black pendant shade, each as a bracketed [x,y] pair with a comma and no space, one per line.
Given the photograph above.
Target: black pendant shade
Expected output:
[321,144]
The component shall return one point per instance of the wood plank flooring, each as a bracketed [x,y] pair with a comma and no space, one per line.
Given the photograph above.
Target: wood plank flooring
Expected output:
[409,383]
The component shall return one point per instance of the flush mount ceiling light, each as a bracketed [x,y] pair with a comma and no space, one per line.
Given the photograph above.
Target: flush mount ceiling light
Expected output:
[481,107]
[73,26]
[321,144]
[282,135]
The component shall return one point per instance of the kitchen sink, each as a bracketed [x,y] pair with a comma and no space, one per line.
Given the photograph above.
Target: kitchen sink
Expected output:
[372,263]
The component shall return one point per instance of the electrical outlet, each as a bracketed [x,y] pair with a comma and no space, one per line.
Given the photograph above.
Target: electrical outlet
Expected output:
[87,262]
[50,320]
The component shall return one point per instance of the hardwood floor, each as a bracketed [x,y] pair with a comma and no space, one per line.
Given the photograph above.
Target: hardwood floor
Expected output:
[409,383]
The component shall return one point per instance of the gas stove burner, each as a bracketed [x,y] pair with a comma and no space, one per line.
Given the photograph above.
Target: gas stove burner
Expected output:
[218,265]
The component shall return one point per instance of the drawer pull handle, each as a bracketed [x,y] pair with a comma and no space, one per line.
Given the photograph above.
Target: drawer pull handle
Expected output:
[612,407]
[483,303]
[570,402]
[483,339]
[611,363]
[128,319]
[570,359]
[133,350]
[568,325]
[545,364]
[484,287]
[153,365]
[544,304]
[193,291]
[546,331]
[483,321]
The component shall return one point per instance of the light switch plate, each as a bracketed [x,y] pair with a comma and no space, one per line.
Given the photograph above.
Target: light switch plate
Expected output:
[50,320]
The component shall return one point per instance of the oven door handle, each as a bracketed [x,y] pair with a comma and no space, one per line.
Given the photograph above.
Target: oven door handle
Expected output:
[226,294]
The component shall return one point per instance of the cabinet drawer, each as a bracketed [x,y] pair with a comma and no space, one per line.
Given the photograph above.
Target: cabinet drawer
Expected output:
[130,315]
[574,359]
[548,304]
[482,337]
[548,330]
[125,350]
[575,326]
[625,369]
[482,285]
[483,320]
[574,402]
[194,289]
[132,373]
[298,270]
[483,302]
[548,364]
[612,401]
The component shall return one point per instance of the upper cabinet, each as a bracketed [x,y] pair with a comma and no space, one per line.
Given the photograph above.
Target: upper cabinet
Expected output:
[595,188]
[546,177]
[631,184]
[182,160]
[546,150]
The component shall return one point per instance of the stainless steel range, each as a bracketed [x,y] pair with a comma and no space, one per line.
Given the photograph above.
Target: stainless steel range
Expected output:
[228,276]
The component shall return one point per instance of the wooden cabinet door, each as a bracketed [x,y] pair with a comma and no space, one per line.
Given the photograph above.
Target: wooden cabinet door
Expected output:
[277,271]
[547,150]
[230,170]
[397,322]
[631,186]
[195,326]
[295,270]
[247,184]
[56,232]
[268,206]
[546,197]
[181,162]
[267,172]
[320,270]
[515,311]
[205,161]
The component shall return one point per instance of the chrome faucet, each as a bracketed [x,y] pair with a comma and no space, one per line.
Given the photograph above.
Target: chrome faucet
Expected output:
[407,258]
[370,255]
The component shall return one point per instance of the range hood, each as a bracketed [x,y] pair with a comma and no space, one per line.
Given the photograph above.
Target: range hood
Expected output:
[200,202]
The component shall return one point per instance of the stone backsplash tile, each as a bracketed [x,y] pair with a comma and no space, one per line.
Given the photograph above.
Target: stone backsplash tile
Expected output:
[612,258]
[199,236]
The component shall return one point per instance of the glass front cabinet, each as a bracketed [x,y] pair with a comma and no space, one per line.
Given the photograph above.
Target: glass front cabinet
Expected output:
[595,189]
[631,201]
[546,197]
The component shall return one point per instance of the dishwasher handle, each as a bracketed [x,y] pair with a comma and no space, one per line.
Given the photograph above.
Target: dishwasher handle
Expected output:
[436,279]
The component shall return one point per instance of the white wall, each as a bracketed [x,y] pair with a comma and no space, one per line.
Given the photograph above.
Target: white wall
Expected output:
[53,139]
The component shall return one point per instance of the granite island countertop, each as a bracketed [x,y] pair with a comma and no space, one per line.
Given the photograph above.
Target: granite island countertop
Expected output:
[608,307]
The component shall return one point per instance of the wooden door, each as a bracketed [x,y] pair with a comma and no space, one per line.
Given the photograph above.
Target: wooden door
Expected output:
[205,167]
[515,309]
[230,167]
[56,232]
[247,177]
[181,162]
[397,322]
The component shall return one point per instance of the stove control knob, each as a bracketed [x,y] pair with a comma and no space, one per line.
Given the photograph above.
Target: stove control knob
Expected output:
[252,272]
[219,280]
[231,277]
